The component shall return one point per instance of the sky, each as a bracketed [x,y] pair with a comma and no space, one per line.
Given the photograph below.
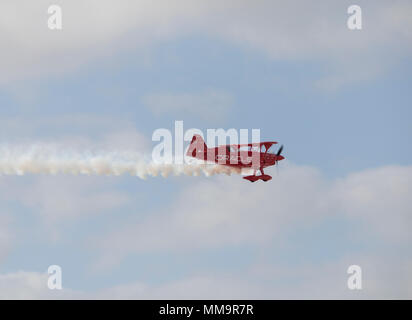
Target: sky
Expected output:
[339,100]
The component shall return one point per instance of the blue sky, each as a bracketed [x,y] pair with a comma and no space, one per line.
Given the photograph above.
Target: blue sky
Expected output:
[339,101]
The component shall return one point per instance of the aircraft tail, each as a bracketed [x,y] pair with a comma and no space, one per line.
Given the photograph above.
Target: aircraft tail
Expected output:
[197,147]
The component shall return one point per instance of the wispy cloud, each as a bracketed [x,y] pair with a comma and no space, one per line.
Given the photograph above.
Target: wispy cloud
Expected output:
[227,212]
[325,280]
[317,32]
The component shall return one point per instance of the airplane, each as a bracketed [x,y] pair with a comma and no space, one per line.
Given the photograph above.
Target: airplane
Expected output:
[256,156]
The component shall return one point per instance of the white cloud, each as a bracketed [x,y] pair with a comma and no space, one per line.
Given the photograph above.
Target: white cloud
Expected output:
[23,285]
[282,30]
[380,198]
[228,211]
[197,287]
[323,280]
[53,204]
[90,29]
[57,198]
[209,104]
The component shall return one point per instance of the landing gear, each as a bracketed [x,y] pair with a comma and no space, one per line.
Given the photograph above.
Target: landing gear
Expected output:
[251,178]
[265,177]
[262,176]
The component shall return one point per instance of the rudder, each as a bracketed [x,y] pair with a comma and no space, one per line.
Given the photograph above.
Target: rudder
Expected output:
[197,147]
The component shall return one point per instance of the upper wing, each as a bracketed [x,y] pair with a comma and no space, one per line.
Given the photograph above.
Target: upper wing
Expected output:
[267,144]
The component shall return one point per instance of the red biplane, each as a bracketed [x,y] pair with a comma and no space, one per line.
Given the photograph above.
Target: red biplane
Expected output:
[256,156]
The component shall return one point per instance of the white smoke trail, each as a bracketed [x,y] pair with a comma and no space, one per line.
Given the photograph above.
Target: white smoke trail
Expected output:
[51,159]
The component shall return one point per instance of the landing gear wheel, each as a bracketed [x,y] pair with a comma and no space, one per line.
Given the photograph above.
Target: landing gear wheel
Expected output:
[265,177]
[251,178]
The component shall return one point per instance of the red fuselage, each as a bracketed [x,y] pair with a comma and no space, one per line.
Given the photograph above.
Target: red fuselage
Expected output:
[237,158]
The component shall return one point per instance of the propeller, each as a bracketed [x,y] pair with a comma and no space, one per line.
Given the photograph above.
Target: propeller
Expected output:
[276,161]
[280,150]
[278,154]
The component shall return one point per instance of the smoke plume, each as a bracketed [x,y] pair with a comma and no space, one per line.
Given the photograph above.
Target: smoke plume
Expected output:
[52,159]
